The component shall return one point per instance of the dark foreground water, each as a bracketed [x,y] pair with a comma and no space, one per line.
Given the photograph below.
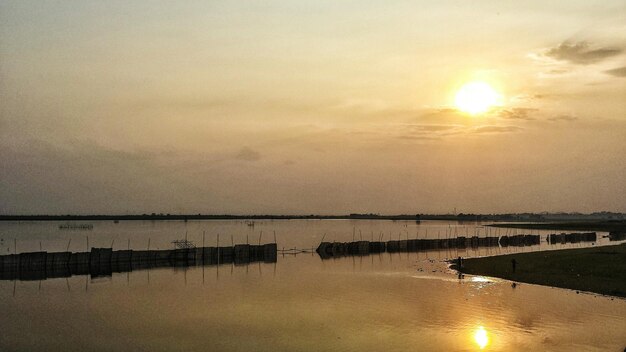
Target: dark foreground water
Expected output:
[386,302]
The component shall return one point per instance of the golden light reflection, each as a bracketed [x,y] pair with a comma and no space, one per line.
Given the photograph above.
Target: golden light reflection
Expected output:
[481,337]
[476,98]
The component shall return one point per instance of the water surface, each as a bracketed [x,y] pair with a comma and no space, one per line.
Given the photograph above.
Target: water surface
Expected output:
[381,302]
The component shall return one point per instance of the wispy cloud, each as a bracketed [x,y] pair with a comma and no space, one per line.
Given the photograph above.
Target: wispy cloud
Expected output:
[517,113]
[562,118]
[581,53]
[496,129]
[248,154]
[617,72]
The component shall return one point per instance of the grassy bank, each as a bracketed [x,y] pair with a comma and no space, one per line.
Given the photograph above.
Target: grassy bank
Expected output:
[604,225]
[599,269]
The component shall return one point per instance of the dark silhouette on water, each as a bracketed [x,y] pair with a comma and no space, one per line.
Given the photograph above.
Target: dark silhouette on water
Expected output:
[513,264]
[327,250]
[105,261]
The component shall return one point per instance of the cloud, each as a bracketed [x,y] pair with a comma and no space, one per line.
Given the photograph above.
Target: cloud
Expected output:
[429,131]
[438,132]
[433,128]
[248,154]
[419,137]
[517,113]
[617,72]
[580,53]
[563,118]
[496,129]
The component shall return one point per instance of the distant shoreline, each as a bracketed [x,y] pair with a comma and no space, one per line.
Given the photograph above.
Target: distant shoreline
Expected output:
[234,217]
[525,219]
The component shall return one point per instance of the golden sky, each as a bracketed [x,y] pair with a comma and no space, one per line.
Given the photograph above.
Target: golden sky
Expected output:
[311,107]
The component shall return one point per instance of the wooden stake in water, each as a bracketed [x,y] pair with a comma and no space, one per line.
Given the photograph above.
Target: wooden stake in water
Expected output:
[274,236]
[68,245]
[260,235]
[148,243]
[129,244]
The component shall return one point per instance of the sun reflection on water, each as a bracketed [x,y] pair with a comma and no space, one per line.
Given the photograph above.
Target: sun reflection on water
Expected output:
[481,338]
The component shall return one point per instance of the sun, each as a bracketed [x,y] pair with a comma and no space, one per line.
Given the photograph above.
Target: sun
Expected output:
[476,98]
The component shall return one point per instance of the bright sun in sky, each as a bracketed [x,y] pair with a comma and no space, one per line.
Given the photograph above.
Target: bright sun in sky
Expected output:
[476,98]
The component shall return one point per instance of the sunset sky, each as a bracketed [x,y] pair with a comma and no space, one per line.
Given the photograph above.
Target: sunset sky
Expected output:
[302,107]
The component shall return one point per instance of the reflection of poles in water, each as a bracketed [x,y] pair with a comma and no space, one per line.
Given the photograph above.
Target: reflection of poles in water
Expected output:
[438,242]
[67,281]
[202,255]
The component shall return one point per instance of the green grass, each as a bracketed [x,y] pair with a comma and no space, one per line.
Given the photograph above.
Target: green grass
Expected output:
[599,269]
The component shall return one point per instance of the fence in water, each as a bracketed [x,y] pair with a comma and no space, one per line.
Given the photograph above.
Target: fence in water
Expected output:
[105,261]
[327,250]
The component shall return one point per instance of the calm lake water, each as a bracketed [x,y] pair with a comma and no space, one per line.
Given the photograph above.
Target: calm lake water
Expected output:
[381,302]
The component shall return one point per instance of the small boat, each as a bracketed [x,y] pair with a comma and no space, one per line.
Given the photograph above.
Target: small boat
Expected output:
[75,227]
